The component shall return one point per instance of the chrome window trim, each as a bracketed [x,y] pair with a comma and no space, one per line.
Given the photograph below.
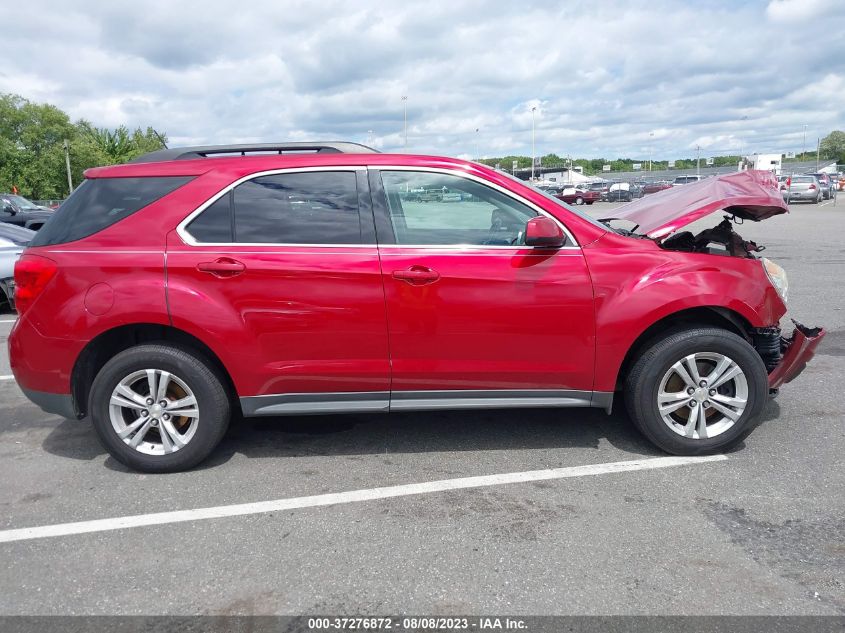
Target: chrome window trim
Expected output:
[189,239]
[181,228]
[571,242]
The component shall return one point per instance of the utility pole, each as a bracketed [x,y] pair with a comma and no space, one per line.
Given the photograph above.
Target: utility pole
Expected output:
[405,116]
[698,160]
[818,151]
[67,166]
[533,158]
[477,157]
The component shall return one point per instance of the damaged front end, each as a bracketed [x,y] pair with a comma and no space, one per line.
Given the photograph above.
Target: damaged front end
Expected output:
[751,195]
[795,352]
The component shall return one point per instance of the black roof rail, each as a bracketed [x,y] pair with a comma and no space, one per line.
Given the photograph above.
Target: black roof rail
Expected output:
[205,151]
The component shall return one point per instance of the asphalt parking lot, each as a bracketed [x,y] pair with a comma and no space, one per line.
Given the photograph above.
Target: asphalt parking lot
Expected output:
[760,532]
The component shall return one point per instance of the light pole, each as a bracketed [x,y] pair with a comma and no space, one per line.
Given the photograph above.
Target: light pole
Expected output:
[650,149]
[698,160]
[804,146]
[370,137]
[533,159]
[477,157]
[405,116]
[67,166]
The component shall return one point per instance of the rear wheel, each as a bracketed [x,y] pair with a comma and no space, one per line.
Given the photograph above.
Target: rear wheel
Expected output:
[696,391]
[158,408]
[579,200]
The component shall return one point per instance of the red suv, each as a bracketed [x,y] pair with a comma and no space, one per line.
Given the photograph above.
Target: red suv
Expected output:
[167,294]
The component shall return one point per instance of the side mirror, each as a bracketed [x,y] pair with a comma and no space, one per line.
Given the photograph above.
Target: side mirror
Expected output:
[543,232]
[8,208]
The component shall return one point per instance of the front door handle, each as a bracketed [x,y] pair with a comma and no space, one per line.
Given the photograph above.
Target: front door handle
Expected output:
[222,267]
[417,275]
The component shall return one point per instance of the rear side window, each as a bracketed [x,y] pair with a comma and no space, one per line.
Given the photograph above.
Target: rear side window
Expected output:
[100,202]
[298,208]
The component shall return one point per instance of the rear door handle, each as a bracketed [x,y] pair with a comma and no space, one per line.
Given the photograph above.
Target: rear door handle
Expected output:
[222,267]
[417,275]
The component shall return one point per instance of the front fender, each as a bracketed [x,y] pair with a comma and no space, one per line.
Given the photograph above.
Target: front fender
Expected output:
[636,288]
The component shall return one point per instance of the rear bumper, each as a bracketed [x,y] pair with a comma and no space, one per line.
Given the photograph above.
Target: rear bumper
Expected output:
[56,403]
[799,350]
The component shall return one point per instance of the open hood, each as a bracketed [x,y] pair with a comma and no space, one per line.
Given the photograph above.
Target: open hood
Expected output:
[750,195]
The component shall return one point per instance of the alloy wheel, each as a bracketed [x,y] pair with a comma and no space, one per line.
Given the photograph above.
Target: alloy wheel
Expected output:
[702,395]
[154,412]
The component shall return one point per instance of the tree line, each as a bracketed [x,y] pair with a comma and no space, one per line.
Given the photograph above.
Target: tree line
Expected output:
[32,147]
[832,147]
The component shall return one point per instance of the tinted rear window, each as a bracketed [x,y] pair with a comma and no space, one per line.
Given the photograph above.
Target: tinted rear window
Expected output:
[298,208]
[100,202]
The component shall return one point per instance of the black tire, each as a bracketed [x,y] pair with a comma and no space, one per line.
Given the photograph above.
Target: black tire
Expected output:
[207,386]
[643,382]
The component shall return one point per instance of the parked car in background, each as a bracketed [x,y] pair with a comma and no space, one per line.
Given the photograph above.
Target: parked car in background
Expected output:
[801,189]
[13,239]
[601,187]
[685,180]
[573,195]
[827,185]
[623,192]
[15,209]
[294,283]
[654,187]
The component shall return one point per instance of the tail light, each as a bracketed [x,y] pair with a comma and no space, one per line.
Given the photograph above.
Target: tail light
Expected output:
[811,187]
[32,274]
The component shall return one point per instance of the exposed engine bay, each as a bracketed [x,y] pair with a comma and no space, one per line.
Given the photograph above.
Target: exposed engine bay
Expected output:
[720,240]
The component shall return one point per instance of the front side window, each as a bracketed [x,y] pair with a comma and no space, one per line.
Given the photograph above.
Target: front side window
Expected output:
[318,207]
[440,209]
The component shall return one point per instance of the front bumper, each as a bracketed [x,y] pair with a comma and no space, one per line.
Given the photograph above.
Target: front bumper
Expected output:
[799,349]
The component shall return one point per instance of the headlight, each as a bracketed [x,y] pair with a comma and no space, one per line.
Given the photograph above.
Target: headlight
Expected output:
[777,276]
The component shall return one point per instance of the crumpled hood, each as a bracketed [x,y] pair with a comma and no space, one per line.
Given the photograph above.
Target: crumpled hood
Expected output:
[750,195]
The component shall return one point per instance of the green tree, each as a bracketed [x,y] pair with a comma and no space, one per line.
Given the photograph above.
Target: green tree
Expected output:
[833,146]
[32,137]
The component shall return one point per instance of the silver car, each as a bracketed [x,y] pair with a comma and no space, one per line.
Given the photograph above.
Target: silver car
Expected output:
[13,239]
[802,188]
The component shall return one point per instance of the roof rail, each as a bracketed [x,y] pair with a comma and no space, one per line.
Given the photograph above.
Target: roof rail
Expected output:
[205,151]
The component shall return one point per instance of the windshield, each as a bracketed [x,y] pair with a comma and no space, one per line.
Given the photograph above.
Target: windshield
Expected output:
[17,235]
[558,202]
[21,202]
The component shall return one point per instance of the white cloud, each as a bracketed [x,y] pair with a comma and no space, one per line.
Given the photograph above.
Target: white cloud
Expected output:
[608,79]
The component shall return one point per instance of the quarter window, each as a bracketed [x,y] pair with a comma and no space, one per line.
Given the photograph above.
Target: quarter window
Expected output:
[215,223]
[441,209]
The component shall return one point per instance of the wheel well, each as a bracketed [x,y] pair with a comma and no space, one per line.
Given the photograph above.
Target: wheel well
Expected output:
[105,346]
[712,316]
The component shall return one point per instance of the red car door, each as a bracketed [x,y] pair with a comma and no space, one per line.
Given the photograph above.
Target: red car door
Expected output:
[280,276]
[475,318]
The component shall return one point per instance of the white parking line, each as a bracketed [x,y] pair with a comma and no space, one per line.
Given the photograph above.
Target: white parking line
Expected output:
[7,377]
[352,496]
[7,320]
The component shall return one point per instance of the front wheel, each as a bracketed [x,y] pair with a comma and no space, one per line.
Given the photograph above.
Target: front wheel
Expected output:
[696,391]
[159,408]
[579,200]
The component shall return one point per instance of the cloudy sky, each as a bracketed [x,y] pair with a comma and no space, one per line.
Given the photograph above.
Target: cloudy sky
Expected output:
[608,79]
